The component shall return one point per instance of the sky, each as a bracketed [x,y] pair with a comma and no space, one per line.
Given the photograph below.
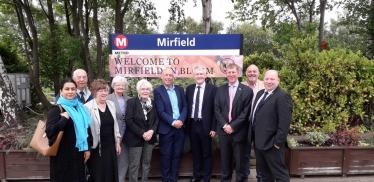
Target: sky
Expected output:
[219,12]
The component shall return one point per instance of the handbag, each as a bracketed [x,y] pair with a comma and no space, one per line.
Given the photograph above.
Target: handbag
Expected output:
[39,141]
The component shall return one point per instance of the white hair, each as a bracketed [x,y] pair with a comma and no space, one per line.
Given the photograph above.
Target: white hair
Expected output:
[199,67]
[78,70]
[119,78]
[145,83]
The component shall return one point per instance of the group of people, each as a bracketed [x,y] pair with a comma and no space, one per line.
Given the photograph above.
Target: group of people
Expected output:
[107,135]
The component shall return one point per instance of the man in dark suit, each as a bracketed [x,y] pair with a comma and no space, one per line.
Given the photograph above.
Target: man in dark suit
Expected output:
[232,105]
[201,123]
[270,123]
[171,106]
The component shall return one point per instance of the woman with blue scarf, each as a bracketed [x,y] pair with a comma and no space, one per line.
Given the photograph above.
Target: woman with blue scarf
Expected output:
[74,120]
[105,133]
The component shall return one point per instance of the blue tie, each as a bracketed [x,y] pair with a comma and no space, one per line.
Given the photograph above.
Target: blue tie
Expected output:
[82,96]
[258,108]
[197,100]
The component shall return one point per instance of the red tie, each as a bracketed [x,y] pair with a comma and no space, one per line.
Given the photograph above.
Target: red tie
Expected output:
[230,95]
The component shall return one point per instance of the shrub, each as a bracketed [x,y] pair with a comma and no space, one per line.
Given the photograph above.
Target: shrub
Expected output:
[328,88]
[316,138]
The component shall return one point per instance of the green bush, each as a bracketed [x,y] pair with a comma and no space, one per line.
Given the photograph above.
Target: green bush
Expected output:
[327,87]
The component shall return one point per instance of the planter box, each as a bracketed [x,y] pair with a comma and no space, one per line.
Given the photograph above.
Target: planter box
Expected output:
[329,160]
[19,164]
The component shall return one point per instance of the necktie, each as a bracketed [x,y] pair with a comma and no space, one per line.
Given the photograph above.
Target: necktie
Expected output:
[197,103]
[258,108]
[82,96]
[230,96]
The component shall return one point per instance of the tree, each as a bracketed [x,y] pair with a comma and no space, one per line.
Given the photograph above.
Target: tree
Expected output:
[255,39]
[11,110]
[190,26]
[360,12]
[301,12]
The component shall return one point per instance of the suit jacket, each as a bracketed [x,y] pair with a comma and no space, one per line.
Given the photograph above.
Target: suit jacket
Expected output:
[93,110]
[136,123]
[164,110]
[207,110]
[112,97]
[273,120]
[241,107]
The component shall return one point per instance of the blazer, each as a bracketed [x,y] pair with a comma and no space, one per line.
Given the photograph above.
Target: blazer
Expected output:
[112,97]
[241,108]
[136,125]
[273,120]
[93,110]
[207,109]
[164,110]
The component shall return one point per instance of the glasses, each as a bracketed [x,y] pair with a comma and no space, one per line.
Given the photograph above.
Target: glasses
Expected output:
[119,85]
[81,77]
[103,91]
[145,89]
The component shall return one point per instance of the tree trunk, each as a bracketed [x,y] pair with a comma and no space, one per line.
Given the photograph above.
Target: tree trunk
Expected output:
[321,22]
[370,32]
[99,44]
[9,106]
[291,5]
[119,14]
[34,71]
[85,31]
[207,16]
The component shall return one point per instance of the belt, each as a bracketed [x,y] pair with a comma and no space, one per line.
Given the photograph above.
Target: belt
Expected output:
[198,120]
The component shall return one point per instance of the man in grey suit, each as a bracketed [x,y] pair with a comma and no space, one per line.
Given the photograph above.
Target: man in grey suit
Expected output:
[269,128]
[232,105]
[119,84]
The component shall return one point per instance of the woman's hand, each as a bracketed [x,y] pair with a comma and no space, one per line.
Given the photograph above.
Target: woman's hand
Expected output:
[118,147]
[148,135]
[87,155]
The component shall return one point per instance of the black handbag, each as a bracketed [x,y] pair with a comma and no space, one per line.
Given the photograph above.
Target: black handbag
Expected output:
[87,174]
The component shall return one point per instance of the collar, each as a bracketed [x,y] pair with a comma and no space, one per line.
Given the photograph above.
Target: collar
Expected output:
[236,84]
[202,85]
[167,88]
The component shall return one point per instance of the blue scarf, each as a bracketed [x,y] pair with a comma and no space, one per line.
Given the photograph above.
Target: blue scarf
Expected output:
[81,119]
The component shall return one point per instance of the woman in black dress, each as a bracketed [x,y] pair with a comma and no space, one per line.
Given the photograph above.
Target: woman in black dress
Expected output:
[102,164]
[73,152]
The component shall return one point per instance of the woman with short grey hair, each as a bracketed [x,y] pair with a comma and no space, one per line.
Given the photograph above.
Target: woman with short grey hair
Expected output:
[119,97]
[140,136]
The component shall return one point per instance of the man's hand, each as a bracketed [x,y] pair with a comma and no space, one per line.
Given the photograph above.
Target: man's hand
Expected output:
[178,124]
[227,128]
[212,134]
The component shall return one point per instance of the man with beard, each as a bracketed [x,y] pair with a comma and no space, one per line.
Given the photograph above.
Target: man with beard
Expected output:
[255,84]
[83,93]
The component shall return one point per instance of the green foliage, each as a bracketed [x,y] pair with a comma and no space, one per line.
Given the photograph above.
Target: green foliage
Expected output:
[12,61]
[316,138]
[293,143]
[327,87]
[255,39]
[190,26]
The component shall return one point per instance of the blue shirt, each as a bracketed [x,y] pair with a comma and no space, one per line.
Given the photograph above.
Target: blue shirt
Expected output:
[174,103]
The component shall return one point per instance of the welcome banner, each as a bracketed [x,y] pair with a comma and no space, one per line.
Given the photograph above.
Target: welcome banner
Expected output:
[182,65]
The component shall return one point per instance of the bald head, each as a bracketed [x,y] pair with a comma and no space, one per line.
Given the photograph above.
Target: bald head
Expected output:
[252,74]
[271,80]
[167,77]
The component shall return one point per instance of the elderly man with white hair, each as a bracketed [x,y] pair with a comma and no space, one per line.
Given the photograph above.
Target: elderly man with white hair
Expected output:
[83,93]
[119,97]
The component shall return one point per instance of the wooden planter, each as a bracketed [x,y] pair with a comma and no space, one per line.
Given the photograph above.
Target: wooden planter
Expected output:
[19,165]
[329,160]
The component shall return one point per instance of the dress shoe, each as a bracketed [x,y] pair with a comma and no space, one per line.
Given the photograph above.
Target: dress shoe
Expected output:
[194,180]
